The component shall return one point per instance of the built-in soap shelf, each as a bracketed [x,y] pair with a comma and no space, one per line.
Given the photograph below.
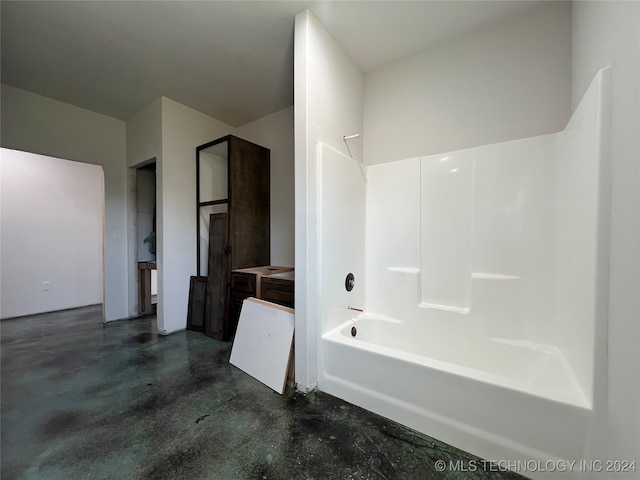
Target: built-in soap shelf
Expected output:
[411,270]
[446,308]
[494,276]
[463,310]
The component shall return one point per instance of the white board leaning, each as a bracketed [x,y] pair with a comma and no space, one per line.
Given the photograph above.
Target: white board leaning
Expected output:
[262,344]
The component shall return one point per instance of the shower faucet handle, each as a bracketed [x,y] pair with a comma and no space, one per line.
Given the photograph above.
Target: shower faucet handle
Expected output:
[349,282]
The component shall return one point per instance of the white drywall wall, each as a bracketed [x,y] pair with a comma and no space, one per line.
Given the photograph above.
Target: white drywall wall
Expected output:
[37,124]
[508,80]
[144,134]
[606,33]
[51,236]
[275,132]
[328,104]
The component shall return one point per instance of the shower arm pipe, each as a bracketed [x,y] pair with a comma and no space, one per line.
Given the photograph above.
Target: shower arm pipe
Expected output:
[350,137]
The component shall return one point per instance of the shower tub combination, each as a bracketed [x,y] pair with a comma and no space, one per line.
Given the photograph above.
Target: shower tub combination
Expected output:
[481,275]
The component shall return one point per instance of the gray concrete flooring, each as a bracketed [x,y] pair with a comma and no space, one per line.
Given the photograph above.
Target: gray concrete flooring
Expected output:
[83,399]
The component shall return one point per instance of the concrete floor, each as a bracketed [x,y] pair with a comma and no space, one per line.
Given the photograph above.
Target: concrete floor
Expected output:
[81,399]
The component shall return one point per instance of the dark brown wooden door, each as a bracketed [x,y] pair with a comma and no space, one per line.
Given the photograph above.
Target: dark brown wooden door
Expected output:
[216,317]
[197,303]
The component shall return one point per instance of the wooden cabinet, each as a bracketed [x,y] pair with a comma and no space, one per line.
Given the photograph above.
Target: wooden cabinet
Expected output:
[248,282]
[243,285]
[233,221]
[278,288]
[145,303]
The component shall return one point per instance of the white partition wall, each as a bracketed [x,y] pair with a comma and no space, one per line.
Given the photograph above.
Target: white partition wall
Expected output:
[328,105]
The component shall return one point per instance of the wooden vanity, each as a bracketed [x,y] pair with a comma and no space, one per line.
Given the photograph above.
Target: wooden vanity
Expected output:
[278,288]
[269,282]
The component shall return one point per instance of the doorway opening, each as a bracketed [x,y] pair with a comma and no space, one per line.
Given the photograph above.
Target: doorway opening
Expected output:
[52,243]
[146,238]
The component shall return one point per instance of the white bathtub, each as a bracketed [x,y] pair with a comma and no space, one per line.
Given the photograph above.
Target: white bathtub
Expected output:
[497,287]
[499,400]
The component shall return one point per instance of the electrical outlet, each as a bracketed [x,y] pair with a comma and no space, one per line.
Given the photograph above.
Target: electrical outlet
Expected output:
[46,286]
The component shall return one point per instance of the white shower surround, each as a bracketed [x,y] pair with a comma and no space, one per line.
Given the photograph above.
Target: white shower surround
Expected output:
[489,299]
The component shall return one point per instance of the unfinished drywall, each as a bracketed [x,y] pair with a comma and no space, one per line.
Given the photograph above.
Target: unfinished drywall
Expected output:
[37,124]
[51,236]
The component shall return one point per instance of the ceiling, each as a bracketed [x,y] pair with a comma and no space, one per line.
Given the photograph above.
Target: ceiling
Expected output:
[232,60]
